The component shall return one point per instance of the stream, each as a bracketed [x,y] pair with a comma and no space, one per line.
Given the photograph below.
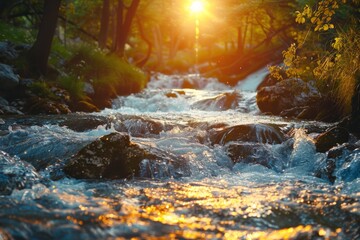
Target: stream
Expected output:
[269,189]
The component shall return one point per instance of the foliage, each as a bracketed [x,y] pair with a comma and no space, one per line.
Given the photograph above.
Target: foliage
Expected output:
[42,89]
[109,74]
[15,34]
[74,85]
[326,49]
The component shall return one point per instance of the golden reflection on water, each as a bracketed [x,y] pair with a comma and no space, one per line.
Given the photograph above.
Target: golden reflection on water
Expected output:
[200,211]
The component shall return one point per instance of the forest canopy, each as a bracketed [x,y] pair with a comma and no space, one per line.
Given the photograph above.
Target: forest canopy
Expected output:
[312,40]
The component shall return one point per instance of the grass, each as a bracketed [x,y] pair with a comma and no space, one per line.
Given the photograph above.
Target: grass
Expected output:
[109,74]
[16,35]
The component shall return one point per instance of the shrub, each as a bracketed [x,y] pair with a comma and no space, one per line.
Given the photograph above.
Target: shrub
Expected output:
[42,89]
[327,50]
[16,34]
[75,86]
[109,74]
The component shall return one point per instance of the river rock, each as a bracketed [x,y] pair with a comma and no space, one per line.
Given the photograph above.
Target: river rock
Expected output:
[175,93]
[259,133]
[16,174]
[222,102]
[253,153]
[349,171]
[287,94]
[37,105]
[7,52]
[138,126]
[331,138]
[8,79]
[5,108]
[114,156]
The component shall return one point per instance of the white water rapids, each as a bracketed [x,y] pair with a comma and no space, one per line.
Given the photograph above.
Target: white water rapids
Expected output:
[280,192]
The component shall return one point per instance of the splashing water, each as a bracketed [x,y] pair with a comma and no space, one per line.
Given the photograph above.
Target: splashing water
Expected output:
[259,180]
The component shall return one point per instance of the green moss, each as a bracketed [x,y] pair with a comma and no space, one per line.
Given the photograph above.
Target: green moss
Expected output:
[16,34]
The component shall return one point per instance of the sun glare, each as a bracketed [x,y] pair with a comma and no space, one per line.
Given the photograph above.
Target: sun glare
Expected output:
[197,6]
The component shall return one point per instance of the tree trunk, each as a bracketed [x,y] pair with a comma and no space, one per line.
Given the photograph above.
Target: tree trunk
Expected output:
[104,26]
[143,61]
[119,24]
[39,53]
[240,47]
[125,26]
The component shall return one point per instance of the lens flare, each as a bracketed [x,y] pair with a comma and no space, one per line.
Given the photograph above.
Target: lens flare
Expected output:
[197,6]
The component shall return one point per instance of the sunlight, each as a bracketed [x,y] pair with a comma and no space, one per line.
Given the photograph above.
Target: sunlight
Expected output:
[197,7]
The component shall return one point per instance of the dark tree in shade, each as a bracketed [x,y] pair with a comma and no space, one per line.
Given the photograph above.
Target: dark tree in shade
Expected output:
[124,24]
[39,53]
[104,25]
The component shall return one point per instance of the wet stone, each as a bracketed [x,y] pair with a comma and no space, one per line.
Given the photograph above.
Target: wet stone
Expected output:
[114,156]
[16,174]
[259,133]
[221,102]
[8,79]
[331,138]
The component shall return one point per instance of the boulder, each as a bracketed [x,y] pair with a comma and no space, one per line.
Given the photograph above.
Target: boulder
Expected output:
[349,171]
[287,94]
[331,138]
[7,52]
[114,156]
[253,153]
[8,79]
[222,102]
[5,108]
[175,93]
[16,174]
[138,126]
[37,105]
[259,133]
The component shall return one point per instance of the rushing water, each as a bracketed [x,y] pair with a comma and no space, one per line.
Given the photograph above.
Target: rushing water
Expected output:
[281,196]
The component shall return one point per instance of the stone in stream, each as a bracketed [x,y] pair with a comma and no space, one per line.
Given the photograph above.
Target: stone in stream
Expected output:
[253,153]
[114,156]
[8,79]
[222,102]
[16,174]
[137,126]
[259,133]
[331,138]
[287,96]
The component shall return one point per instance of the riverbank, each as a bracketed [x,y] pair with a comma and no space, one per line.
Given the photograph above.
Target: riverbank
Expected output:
[84,79]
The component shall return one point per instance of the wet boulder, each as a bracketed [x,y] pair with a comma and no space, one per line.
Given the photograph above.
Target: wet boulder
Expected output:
[16,174]
[331,138]
[349,171]
[290,95]
[138,126]
[250,153]
[259,133]
[189,83]
[8,79]
[114,156]
[222,102]
[175,93]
